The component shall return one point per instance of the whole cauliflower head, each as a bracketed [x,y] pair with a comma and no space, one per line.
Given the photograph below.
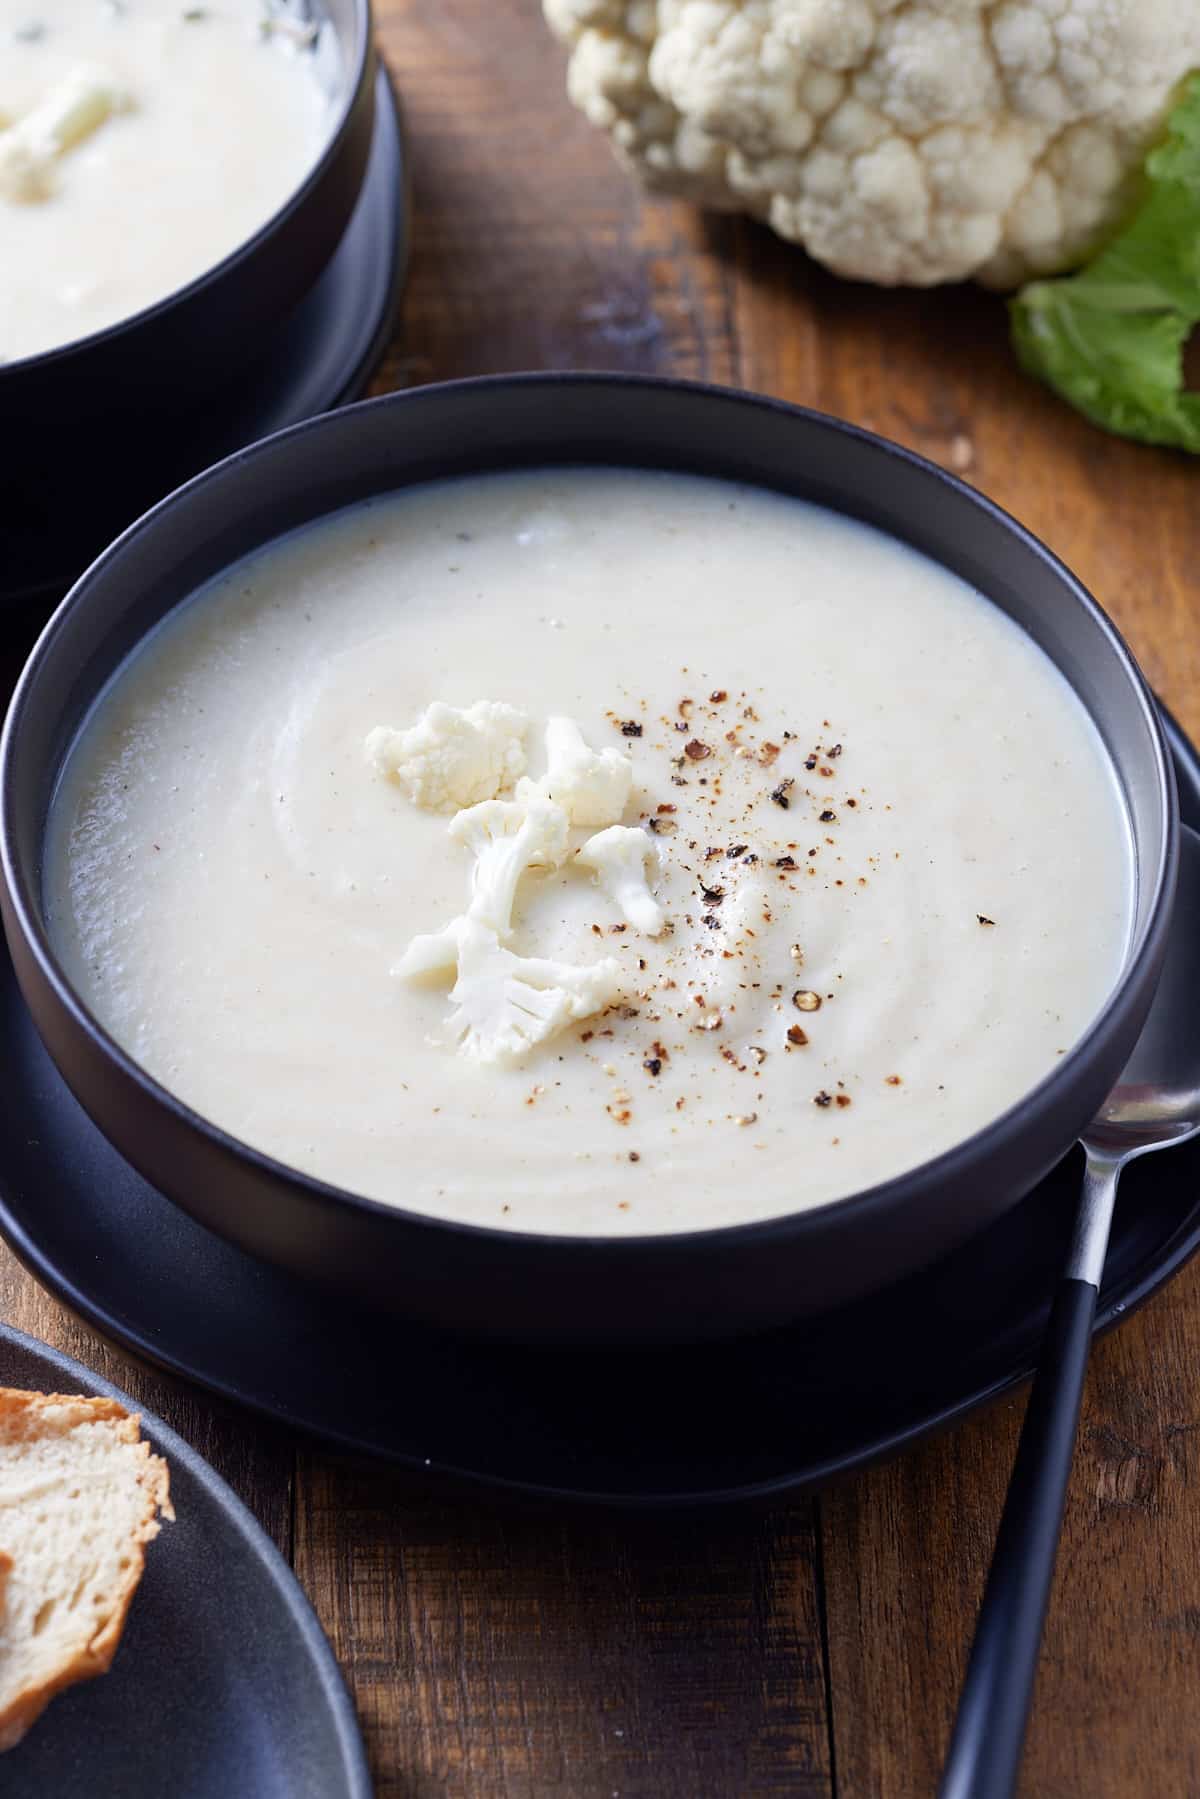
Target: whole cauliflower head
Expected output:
[899,141]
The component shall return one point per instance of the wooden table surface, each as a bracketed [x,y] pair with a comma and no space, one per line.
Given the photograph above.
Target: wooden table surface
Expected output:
[815,1648]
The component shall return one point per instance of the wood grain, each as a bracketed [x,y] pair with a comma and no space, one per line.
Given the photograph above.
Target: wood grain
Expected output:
[501,1653]
[530,248]
[526,1653]
[906,1551]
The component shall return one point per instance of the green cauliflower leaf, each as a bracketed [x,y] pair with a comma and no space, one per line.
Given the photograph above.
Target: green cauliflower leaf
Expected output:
[1111,338]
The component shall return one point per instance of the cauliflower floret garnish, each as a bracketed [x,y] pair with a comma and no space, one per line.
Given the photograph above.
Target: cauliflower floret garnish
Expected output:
[900,141]
[29,150]
[504,1005]
[432,953]
[453,756]
[592,786]
[623,858]
[26,176]
[507,837]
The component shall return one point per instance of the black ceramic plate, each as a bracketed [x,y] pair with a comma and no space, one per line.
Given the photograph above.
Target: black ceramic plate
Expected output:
[223,1683]
[324,356]
[647,1427]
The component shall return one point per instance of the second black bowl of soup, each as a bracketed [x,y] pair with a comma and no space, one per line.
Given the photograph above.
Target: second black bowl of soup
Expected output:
[173,181]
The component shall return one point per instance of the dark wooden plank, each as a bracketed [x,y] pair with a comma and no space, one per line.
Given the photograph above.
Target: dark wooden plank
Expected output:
[525,1653]
[531,249]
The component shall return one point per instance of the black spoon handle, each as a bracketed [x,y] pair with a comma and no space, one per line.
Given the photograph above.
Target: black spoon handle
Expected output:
[989,1731]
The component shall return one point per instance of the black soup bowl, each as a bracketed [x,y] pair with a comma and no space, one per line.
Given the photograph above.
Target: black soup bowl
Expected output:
[92,403]
[679,1286]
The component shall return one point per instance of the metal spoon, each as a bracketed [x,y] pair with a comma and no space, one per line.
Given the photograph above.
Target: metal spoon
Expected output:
[1156,1105]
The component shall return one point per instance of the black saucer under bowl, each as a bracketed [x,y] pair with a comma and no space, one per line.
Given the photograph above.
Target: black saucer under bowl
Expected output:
[320,356]
[702,1424]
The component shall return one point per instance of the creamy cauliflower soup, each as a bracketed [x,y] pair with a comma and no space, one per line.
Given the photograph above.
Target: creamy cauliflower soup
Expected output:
[592,851]
[141,141]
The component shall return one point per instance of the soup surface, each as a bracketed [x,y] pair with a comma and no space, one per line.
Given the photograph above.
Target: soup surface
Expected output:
[140,144]
[871,877]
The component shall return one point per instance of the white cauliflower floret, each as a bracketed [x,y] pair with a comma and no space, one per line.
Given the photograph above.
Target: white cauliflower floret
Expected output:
[432,953]
[592,786]
[29,150]
[507,837]
[504,1005]
[900,141]
[25,175]
[623,857]
[453,756]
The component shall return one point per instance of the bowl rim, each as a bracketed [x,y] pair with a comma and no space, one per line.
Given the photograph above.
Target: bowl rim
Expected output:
[359,64]
[952,1164]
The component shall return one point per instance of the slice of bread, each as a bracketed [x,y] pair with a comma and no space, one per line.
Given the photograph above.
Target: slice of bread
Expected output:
[80,1495]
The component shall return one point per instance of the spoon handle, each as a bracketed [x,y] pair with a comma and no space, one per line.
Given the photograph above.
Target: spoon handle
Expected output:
[989,1731]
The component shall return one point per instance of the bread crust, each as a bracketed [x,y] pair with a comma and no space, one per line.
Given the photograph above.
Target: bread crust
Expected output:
[26,1415]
